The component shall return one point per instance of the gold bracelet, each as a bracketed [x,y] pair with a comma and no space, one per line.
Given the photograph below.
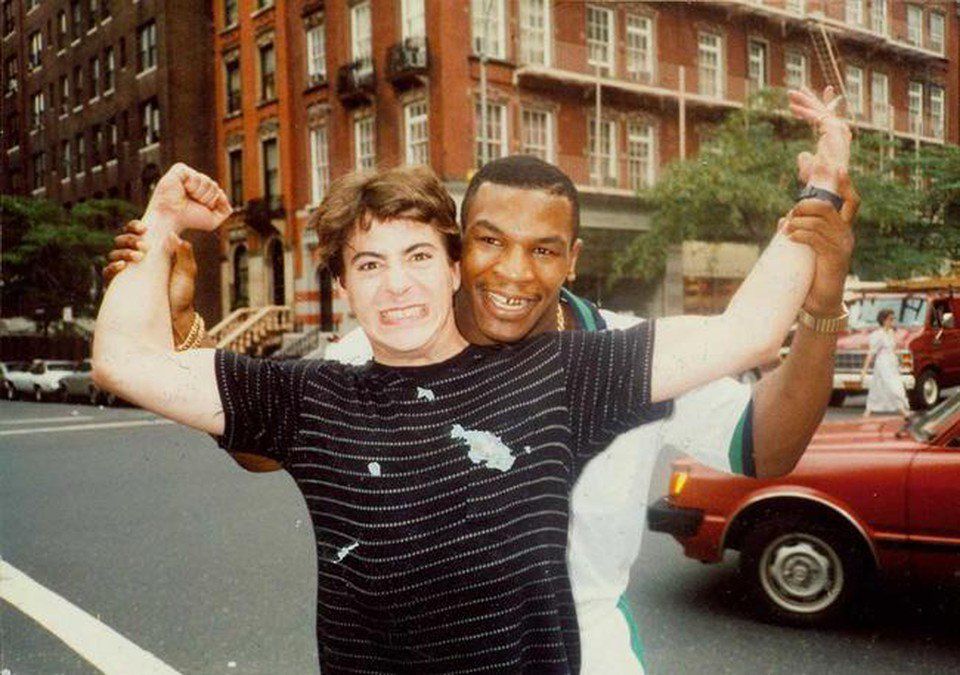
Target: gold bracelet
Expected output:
[195,335]
[819,324]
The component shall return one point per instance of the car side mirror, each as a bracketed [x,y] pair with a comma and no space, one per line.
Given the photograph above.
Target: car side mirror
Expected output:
[947,321]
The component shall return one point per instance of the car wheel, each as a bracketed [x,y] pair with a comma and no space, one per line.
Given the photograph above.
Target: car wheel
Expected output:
[926,393]
[110,400]
[37,394]
[63,395]
[9,391]
[802,572]
[837,398]
[94,396]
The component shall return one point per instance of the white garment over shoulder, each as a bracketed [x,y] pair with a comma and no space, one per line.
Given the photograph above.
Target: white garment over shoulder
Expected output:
[608,508]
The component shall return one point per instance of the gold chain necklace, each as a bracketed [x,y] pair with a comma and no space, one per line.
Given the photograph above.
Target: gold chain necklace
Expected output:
[561,320]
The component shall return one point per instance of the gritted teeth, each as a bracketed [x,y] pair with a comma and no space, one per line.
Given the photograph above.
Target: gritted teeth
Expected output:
[509,301]
[401,313]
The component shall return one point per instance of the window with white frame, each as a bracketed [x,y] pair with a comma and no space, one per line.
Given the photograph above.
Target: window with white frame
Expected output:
[854,12]
[38,106]
[415,133]
[316,51]
[795,63]
[915,107]
[64,94]
[268,71]
[915,25]
[640,46]
[603,160]
[413,19]
[536,132]
[936,111]
[147,44]
[880,99]
[231,12]
[488,23]
[364,146]
[109,70]
[797,6]
[39,169]
[35,50]
[878,16]
[235,169]
[641,157]
[935,36]
[757,64]
[150,116]
[94,78]
[492,139]
[231,80]
[81,143]
[361,40]
[854,82]
[319,163]
[535,32]
[66,159]
[270,155]
[600,38]
[710,65]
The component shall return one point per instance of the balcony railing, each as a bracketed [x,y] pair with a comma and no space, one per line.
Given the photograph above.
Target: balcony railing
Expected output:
[356,81]
[407,61]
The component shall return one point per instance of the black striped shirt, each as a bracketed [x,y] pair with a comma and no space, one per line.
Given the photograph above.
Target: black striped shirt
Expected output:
[439,494]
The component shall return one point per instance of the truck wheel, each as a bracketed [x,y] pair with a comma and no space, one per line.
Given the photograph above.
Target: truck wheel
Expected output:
[802,572]
[837,397]
[926,393]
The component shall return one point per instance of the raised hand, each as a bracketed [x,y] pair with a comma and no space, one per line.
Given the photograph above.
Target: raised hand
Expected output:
[833,137]
[186,199]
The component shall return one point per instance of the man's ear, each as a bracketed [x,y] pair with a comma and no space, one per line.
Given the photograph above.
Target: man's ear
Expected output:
[574,257]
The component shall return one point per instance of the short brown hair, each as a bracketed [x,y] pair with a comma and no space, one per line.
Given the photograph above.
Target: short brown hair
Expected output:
[355,199]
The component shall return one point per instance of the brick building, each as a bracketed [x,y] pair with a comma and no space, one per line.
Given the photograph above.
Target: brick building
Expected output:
[99,97]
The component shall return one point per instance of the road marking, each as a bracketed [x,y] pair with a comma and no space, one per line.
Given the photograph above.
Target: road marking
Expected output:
[68,418]
[83,427]
[97,643]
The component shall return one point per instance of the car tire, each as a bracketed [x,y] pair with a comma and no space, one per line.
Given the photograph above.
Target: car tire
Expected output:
[37,394]
[837,398]
[802,572]
[926,393]
[63,396]
[94,396]
[9,391]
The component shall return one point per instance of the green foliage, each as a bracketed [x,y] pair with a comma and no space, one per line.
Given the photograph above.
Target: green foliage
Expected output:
[744,180]
[51,258]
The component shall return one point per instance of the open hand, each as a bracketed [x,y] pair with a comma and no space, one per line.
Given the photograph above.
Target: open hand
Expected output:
[834,137]
[187,200]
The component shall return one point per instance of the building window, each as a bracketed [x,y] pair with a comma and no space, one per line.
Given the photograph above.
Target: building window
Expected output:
[413,19]
[35,50]
[10,73]
[796,69]
[640,155]
[535,32]
[231,13]
[32,5]
[880,99]
[123,52]
[935,36]
[8,22]
[364,147]
[914,25]
[936,111]
[320,164]
[76,17]
[757,65]
[855,91]
[96,145]
[316,52]
[854,12]
[416,136]
[105,10]
[112,138]
[38,106]
[66,159]
[240,277]
[93,13]
[64,94]
[606,161]
[77,86]
[878,16]
[109,70]
[488,24]
[640,47]
[235,169]
[271,172]
[797,6]
[600,35]
[492,140]
[268,72]
[150,120]
[39,170]
[263,4]
[81,153]
[147,41]
[94,78]
[61,29]
[536,131]
[232,81]
[361,45]
[710,65]
[915,107]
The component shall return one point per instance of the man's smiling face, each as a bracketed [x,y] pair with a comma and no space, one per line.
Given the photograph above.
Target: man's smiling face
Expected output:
[518,247]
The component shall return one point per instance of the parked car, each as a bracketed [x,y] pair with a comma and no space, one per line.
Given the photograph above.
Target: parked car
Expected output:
[43,378]
[79,385]
[16,378]
[927,337]
[869,500]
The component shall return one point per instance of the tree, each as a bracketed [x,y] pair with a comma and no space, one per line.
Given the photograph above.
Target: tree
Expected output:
[744,179]
[51,258]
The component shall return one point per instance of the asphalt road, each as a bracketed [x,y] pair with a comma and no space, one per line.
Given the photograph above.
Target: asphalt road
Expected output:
[153,531]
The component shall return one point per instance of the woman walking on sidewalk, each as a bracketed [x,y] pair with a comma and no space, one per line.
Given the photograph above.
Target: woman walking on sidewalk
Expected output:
[886,393]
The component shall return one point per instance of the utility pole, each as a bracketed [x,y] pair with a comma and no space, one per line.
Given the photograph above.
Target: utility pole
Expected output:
[485,144]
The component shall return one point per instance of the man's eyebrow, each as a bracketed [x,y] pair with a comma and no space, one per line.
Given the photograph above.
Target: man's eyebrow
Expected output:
[554,239]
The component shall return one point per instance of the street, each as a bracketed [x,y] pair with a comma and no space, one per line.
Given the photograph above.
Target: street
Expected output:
[148,528]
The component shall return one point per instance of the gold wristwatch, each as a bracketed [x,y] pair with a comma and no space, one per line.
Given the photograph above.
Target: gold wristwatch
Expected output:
[819,324]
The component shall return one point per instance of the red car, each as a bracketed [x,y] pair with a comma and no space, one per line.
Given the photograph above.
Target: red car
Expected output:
[870,499]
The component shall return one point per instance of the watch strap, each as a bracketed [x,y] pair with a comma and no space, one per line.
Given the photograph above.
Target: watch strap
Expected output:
[811,192]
